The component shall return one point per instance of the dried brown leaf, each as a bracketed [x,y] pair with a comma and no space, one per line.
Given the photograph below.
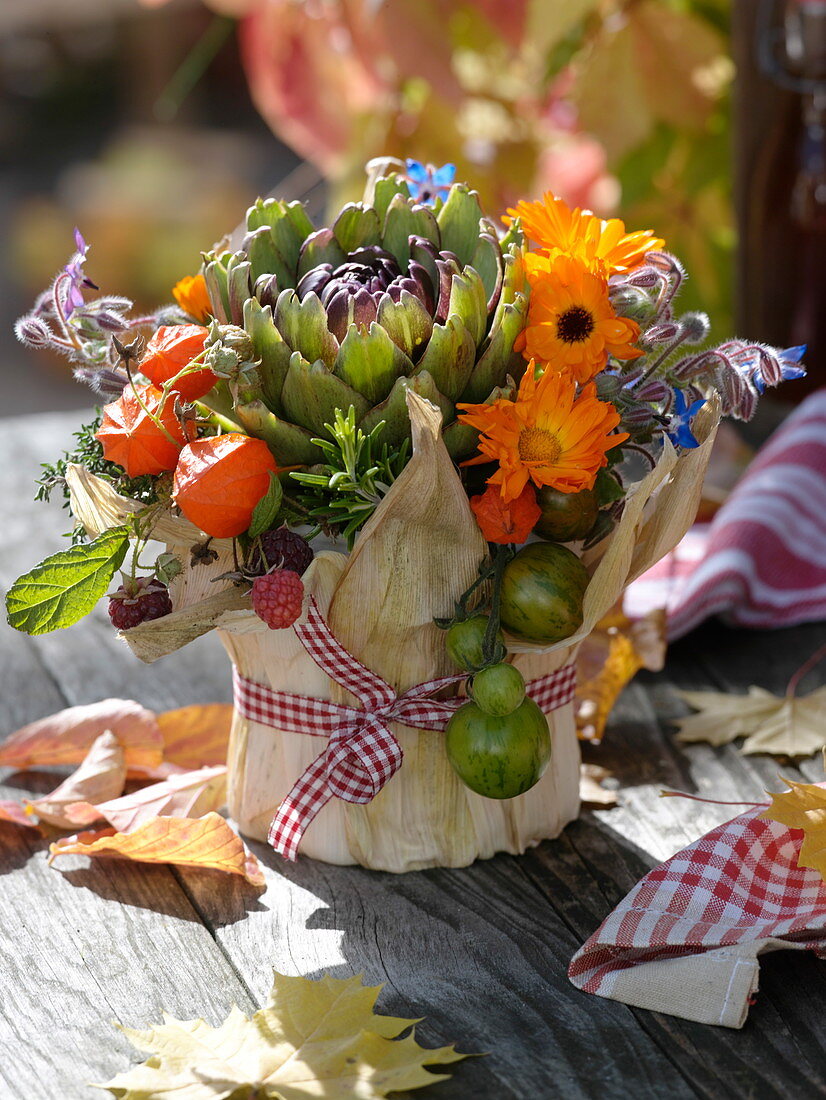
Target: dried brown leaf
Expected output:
[208,842]
[190,794]
[99,778]
[66,737]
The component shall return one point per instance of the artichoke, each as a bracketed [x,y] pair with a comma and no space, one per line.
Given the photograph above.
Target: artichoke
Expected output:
[394,295]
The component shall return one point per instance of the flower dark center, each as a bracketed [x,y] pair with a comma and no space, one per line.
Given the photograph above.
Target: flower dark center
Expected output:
[539,445]
[574,325]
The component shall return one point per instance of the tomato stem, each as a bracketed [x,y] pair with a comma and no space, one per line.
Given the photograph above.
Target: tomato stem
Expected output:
[490,649]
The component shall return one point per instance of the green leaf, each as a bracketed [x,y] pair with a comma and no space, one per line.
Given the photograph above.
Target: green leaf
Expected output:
[267,508]
[65,587]
[608,488]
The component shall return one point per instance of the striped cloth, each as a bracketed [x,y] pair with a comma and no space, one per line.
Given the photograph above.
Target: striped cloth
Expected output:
[762,561]
[686,939]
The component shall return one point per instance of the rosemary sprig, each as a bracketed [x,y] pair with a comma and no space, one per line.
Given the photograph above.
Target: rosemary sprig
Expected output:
[342,493]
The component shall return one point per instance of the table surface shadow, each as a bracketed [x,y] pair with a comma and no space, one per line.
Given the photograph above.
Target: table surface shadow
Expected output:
[480,953]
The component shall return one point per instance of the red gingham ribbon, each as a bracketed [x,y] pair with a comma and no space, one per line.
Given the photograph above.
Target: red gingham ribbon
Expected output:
[362,753]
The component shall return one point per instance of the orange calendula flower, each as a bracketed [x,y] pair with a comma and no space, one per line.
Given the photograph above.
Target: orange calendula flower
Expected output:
[192,296]
[603,245]
[571,322]
[548,435]
[506,522]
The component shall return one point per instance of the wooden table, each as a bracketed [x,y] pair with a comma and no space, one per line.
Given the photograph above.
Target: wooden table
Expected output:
[481,952]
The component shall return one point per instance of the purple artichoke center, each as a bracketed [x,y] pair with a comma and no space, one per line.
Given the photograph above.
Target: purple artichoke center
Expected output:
[352,292]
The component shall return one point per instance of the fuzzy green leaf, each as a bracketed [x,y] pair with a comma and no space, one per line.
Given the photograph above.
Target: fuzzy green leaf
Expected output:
[65,587]
[267,508]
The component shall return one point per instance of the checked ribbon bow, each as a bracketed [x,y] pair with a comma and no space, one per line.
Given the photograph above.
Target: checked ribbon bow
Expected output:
[361,753]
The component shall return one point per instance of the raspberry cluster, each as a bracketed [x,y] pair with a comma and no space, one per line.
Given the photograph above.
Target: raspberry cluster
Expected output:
[283,549]
[137,601]
[277,596]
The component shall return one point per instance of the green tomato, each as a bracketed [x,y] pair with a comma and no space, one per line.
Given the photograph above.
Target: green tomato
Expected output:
[464,642]
[499,757]
[565,516]
[543,587]
[498,689]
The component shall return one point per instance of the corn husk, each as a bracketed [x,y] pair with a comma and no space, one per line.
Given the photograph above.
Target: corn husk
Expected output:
[421,549]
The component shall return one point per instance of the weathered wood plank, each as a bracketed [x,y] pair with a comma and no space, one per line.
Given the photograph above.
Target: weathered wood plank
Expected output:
[83,942]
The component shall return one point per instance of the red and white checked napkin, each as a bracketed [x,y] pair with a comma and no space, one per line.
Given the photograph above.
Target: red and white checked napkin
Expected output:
[686,940]
[761,562]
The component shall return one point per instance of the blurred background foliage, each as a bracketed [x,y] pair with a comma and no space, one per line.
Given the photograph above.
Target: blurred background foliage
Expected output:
[141,122]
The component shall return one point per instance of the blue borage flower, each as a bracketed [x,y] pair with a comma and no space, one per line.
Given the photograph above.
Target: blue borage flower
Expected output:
[426,182]
[789,361]
[679,428]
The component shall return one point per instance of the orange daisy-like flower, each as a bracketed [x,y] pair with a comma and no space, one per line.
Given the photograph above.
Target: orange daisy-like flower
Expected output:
[571,322]
[192,296]
[548,435]
[603,245]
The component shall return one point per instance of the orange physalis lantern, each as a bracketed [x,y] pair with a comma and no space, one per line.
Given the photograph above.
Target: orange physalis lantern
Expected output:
[133,440]
[219,481]
[506,523]
[171,349]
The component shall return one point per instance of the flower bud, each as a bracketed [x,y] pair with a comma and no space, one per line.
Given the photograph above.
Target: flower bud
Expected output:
[645,277]
[609,385]
[110,321]
[33,332]
[630,301]
[655,392]
[637,418]
[695,327]
[661,334]
[107,383]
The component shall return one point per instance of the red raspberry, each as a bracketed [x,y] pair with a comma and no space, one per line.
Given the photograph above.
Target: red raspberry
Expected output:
[284,549]
[277,596]
[138,601]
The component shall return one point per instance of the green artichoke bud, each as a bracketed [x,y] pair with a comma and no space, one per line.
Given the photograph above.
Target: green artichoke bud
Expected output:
[393,295]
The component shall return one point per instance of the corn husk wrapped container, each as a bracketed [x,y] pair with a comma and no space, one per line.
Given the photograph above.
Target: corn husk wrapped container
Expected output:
[418,552]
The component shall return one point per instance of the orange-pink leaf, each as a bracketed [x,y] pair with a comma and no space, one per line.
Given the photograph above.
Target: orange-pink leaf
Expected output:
[14,812]
[196,736]
[190,794]
[98,779]
[208,842]
[66,737]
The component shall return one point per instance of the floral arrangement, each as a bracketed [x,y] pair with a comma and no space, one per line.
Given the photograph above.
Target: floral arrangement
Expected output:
[271,407]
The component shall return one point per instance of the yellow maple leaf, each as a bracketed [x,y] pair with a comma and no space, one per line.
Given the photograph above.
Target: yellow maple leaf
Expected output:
[787,725]
[312,1039]
[803,807]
